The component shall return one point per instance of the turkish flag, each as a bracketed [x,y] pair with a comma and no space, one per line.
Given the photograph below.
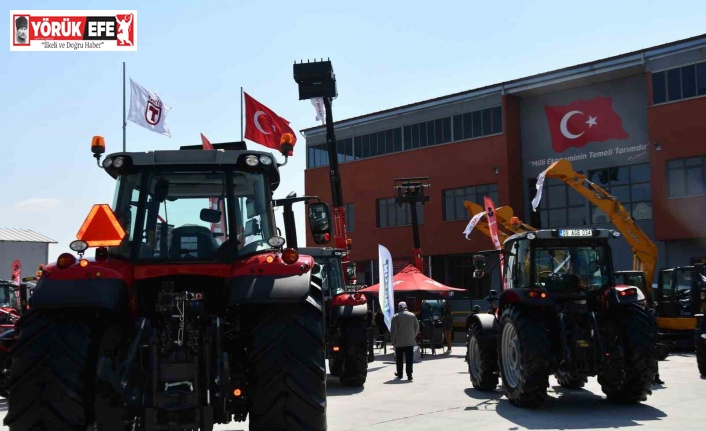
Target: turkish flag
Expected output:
[264,126]
[583,121]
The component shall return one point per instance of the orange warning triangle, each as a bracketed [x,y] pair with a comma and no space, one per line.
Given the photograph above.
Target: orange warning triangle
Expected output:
[101,228]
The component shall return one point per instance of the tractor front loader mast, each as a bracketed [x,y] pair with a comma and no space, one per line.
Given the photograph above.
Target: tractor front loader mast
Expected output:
[317,80]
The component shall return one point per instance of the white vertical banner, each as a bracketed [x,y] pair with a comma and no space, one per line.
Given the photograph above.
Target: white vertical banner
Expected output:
[538,196]
[147,109]
[387,293]
[472,224]
[318,103]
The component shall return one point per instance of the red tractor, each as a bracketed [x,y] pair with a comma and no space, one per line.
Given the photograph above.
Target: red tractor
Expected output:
[183,319]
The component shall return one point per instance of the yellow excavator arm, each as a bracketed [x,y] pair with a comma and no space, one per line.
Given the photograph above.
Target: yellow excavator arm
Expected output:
[505,218]
[644,250]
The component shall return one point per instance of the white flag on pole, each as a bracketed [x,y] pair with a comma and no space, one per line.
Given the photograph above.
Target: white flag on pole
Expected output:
[318,103]
[538,196]
[472,224]
[147,109]
[387,293]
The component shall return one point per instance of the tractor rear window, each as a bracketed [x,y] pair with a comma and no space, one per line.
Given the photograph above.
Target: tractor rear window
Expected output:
[184,215]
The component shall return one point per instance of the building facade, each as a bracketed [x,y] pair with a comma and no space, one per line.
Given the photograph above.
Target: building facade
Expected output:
[634,124]
[29,247]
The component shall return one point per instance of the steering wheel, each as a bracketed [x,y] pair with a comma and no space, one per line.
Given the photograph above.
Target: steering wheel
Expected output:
[545,273]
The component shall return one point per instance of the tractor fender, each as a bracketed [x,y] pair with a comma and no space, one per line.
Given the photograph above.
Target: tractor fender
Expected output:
[488,324]
[106,293]
[349,311]
[264,289]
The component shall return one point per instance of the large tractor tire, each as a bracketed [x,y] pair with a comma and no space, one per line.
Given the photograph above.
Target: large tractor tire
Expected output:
[524,351]
[287,366]
[52,383]
[630,380]
[570,381]
[701,348]
[482,360]
[354,370]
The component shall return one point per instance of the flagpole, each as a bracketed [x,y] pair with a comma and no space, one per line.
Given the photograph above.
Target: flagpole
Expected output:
[124,121]
[241,113]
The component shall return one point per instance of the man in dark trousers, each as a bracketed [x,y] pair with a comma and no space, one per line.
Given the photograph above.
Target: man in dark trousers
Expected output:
[403,333]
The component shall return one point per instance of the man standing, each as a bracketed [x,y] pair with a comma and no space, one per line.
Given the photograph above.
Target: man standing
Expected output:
[21,30]
[403,332]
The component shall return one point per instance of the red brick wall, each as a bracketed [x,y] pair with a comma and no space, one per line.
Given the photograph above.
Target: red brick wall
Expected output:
[680,129]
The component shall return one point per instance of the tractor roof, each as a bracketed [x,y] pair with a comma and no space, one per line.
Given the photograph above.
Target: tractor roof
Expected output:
[566,235]
[196,158]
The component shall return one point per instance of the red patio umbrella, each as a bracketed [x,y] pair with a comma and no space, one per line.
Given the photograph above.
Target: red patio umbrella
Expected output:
[411,280]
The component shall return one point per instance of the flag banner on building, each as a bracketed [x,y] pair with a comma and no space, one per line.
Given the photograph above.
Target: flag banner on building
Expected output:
[387,293]
[540,183]
[583,121]
[493,228]
[219,228]
[318,103]
[472,224]
[263,126]
[148,110]
[17,272]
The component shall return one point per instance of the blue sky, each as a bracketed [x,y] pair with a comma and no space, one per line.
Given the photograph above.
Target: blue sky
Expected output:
[196,56]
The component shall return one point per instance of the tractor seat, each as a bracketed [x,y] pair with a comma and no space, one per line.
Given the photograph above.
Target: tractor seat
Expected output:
[193,242]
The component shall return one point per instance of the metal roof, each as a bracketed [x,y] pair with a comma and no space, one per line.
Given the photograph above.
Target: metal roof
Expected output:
[572,73]
[23,235]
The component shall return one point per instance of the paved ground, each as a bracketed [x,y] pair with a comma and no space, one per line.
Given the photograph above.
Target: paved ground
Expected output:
[441,398]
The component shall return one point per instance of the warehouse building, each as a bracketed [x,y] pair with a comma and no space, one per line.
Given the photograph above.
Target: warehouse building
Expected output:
[633,123]
[28,247]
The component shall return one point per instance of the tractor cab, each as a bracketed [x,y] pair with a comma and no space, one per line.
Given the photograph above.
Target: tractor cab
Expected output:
[563,261]
[190,205]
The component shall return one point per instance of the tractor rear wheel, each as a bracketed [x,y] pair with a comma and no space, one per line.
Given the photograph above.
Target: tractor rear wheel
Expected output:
[630,380]
[354,371]
[570,381]
[287,362]
[524,357]
[482,360]
[52,383]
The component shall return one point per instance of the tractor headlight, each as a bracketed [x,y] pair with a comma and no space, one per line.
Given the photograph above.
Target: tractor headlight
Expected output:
[266,160]
[252,160]
[531,236]
[107,162]
[276,241]
[118,162]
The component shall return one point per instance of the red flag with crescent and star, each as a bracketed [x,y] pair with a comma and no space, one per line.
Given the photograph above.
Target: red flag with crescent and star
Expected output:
[583,121]
[264,126]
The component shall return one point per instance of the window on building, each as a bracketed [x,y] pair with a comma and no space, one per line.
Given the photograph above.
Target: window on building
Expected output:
[453,199]
[390,215]
[687,177]
[561,206]
[479,123]
[350,217]
[630,185]
[679,83]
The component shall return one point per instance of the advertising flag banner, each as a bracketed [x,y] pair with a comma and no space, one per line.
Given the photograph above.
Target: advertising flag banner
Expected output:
[493,227]
[387,294]
[472,224]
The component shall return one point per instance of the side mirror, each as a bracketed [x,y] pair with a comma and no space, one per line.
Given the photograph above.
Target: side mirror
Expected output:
[320,222]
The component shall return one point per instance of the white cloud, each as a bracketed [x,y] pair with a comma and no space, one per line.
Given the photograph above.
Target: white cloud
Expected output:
[36,205]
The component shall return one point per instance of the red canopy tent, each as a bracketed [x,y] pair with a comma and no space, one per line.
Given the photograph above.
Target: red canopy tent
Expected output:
[411,280]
